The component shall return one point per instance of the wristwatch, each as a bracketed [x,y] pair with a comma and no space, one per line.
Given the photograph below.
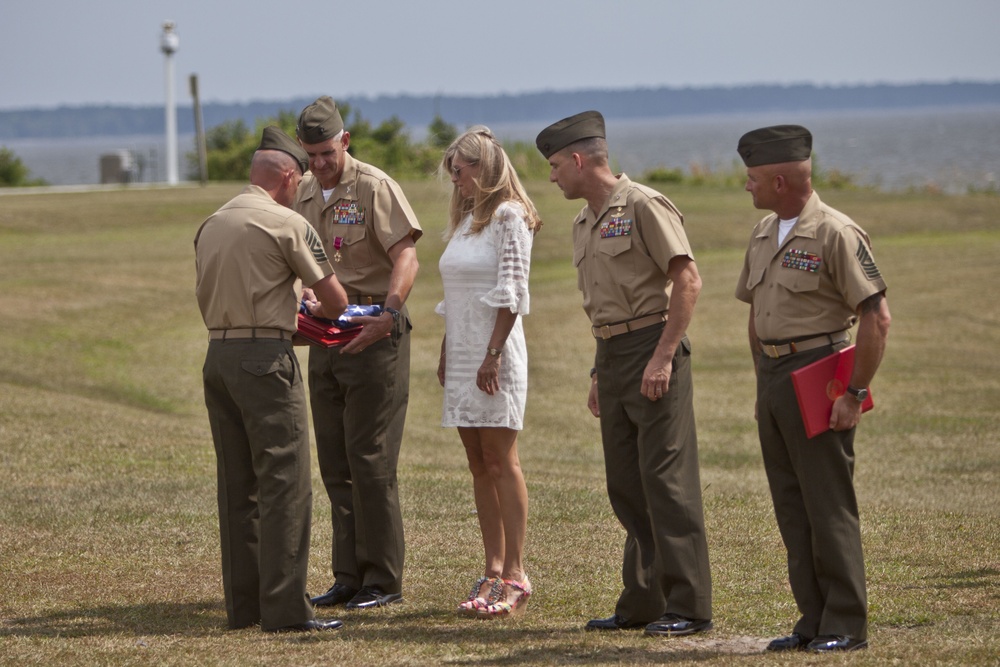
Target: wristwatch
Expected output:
[391,311]
[494,351]
[859,394]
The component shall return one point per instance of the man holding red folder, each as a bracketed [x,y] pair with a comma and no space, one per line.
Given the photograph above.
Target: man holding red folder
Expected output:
[809,277]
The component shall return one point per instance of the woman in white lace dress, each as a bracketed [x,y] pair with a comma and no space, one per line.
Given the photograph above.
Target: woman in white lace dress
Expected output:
[484,362]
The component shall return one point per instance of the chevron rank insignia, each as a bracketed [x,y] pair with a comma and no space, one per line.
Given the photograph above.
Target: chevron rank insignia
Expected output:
[315,245]
[867,262]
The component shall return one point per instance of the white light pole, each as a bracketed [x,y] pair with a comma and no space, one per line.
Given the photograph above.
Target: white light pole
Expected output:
[168,44]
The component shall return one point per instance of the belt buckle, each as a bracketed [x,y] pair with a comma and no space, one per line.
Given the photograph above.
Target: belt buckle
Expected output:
[605,331]
[773,353]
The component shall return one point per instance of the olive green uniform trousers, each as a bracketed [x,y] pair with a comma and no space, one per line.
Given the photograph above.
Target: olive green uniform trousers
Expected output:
[260,425]
[359,408]
[651,462]
[812,488]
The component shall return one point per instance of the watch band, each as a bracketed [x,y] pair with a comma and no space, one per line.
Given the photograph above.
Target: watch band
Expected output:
[494,351]
[859,394]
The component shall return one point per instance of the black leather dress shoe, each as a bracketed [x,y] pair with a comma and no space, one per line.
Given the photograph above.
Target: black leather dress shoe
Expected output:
[308,626]
[372,596]
[829,643]
[338,594]
[615,622]
[672,625]
[793,642]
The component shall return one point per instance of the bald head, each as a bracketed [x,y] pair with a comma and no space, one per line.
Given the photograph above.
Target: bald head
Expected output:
[797,175]
[276,172]
[782,187]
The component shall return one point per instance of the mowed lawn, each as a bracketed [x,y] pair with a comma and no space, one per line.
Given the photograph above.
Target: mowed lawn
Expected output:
[108,528]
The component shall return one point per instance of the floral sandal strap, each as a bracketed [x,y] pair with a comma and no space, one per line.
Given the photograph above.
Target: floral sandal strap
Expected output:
[523,586]
[503,608]
[476,602]
[475,588]
[496,590]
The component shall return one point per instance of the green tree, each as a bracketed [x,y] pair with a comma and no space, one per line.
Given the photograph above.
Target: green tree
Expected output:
[387,146]
[230,147]
[13,172]
[440,134]
[527,161]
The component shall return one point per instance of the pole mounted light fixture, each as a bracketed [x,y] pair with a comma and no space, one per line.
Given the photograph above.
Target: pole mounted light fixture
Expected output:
[168,44]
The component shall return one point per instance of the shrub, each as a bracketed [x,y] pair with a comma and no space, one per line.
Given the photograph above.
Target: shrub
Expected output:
[664,175]
[13,172]
[231,145]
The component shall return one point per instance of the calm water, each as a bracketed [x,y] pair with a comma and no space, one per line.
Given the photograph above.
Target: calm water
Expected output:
[952,149]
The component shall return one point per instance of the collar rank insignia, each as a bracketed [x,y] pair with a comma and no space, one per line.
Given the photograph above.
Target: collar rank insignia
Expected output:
[348,213]
[616,226]
[801,260]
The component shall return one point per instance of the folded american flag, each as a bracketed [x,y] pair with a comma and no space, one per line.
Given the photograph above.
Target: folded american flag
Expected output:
[343,322]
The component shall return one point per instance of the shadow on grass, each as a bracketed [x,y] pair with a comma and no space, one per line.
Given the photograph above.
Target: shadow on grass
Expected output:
[166,618]
[982,578]
[532,640]
[453,640]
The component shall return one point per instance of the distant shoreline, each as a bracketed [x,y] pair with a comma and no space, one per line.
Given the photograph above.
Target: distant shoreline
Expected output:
[417,111]
[942,148]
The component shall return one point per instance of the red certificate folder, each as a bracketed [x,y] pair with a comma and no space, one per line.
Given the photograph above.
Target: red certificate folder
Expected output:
[819,384]
[325,334]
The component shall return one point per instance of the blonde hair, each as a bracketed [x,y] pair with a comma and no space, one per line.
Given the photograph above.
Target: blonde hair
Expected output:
[497,182]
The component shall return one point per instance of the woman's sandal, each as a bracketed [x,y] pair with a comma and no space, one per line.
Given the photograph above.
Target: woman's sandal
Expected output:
[476,602]
[502,608]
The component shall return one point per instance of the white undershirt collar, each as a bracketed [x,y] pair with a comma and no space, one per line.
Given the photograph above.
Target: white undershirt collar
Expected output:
[785,226]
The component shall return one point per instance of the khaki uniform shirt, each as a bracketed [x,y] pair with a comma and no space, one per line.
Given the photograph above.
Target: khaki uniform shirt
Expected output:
[366,214]
[249,256]
[623,254]
[814,282]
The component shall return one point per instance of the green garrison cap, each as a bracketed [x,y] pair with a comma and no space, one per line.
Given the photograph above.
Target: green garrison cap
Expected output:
[778,143]
[274,139]
[561,134]
[319,121]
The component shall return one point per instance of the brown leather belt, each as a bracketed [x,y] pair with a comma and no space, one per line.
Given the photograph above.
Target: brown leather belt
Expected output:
[363,300]
[611,330]
[225,334]
[776,351]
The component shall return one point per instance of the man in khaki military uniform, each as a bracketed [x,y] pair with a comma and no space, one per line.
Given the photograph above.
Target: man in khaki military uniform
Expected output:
[809,276]
[639,283]
[359,393]
[249,255]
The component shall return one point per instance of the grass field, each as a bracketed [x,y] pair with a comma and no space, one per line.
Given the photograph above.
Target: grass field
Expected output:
[108,529]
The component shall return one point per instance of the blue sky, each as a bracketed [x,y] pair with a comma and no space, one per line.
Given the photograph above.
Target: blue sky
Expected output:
[68,52]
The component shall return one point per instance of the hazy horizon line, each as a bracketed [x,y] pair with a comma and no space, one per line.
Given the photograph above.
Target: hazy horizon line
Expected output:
[504,94]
